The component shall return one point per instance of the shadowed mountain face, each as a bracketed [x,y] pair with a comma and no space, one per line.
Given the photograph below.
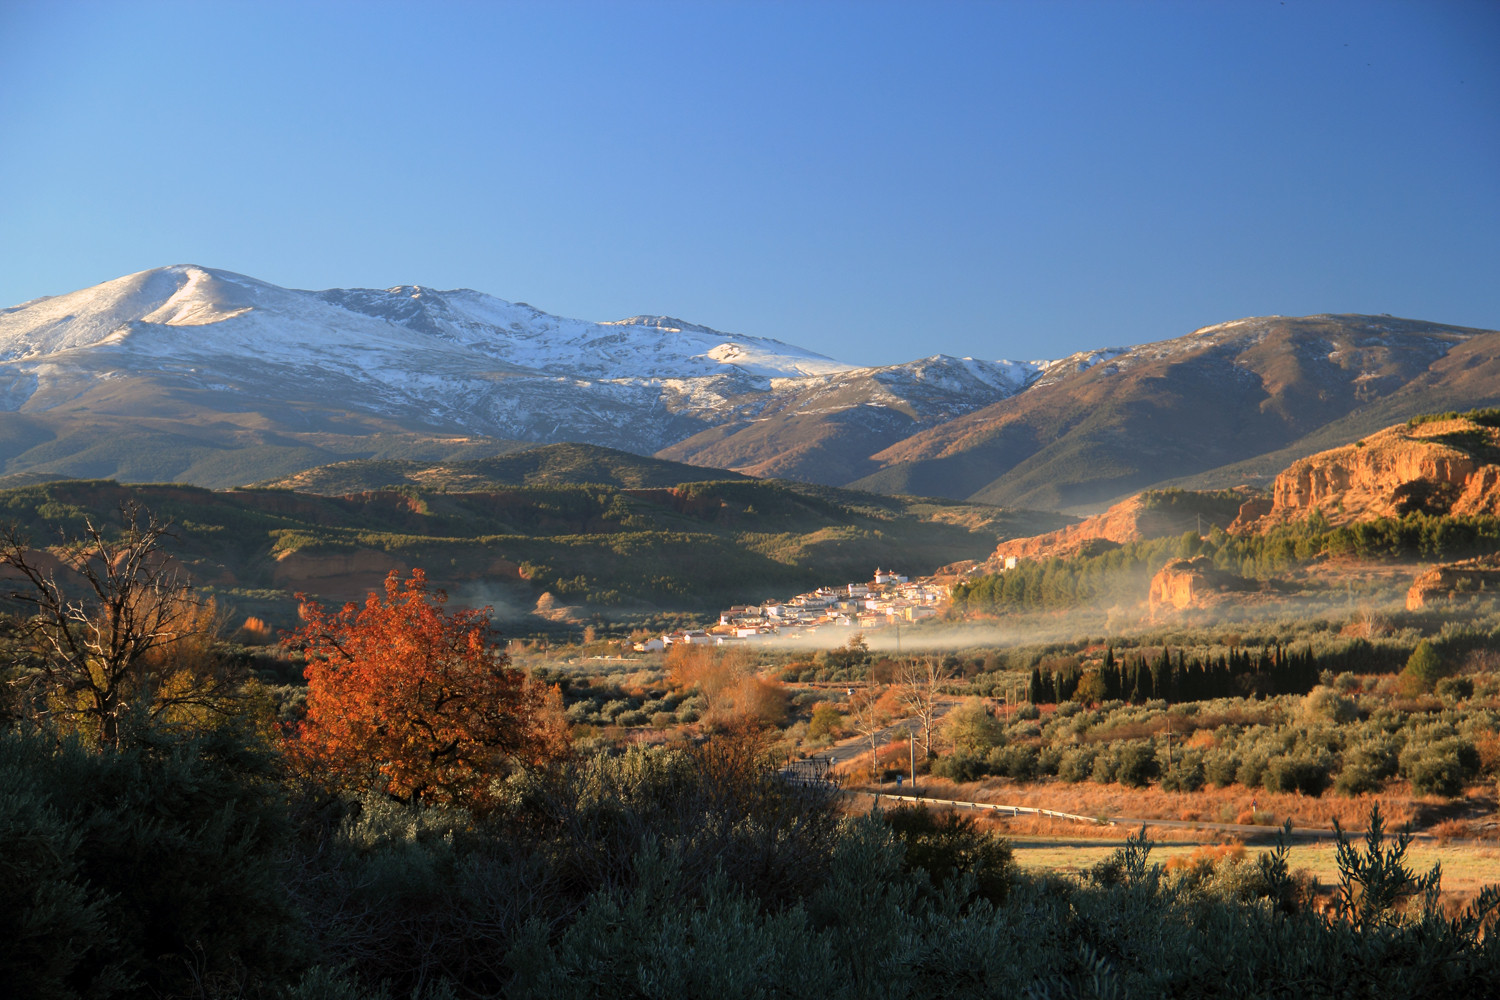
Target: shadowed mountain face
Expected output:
[199,376]
[1186,407]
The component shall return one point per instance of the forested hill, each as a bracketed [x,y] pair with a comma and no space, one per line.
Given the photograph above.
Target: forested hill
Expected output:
[626,554]
[567,464]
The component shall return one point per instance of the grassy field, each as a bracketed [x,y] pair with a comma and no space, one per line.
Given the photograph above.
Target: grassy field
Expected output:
[1466,868]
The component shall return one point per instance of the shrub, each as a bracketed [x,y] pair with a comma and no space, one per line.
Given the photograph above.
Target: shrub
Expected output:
[1326,704]
[118,866]
[972,728]
[1455,688]
[1077,763]
[1305,774]
[1442,767]
[1221,765]
[825,722]
[1252,769]
[946,845]
[1018,762]
[1137,763]
[1186,773]
[959,766]
[1357,779]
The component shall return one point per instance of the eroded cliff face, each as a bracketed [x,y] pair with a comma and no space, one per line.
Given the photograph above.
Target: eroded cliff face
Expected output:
[1191,583]
[1455,581]
[1120,524]
[1440,467]
[1147,515]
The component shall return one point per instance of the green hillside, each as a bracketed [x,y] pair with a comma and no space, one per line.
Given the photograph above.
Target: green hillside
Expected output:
[547,465]
[622,553]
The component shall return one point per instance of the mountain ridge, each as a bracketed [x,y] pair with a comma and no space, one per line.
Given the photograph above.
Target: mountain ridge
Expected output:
[190,374]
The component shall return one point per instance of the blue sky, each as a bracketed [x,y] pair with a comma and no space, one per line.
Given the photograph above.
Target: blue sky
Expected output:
[877,181]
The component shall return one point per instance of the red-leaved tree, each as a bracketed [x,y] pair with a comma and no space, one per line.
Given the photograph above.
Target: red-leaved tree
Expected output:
[416,702]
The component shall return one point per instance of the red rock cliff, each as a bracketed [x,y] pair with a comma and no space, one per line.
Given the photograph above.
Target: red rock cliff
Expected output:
[1439,467]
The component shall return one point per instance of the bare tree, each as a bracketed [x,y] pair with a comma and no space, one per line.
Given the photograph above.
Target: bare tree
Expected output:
[865,713]
[135,640]
[920,682]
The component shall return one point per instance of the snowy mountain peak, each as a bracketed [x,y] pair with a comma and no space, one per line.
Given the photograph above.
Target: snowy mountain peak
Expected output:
[668,323]
[456,361]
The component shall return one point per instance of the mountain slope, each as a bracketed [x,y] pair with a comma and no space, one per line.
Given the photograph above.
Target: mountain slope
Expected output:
[217,378]
[1100,426]
[194,375]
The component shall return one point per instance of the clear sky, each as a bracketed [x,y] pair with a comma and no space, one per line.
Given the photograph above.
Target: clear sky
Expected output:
[876,181]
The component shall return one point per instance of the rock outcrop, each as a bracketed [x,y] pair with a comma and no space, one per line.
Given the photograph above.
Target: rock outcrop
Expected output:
[1438,467]
[1147,515]
[1455,581]
[1192,583]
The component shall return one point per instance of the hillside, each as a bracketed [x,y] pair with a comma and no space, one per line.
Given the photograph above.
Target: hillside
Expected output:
[631,552]
[194,375]
[197,375]
[1111,424]
[1154,514]
[547,465]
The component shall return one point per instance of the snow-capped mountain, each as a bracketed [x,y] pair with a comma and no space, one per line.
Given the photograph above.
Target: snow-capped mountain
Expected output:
[436,362]
[195,375]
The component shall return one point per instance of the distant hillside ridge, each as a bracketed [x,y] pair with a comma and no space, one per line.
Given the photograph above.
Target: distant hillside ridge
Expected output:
[1203,408]
[547,465]
[625,554]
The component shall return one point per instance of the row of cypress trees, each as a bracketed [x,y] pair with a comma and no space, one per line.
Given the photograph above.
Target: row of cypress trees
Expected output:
[1176,677]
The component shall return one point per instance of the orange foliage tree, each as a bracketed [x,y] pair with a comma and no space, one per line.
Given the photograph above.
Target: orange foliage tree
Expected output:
[732,692]
[415,701]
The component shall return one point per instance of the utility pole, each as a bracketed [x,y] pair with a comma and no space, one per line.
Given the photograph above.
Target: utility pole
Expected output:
[911,738]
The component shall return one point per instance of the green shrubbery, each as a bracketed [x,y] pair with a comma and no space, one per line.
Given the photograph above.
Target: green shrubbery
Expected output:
[1307,745]
[187,867]
[154,869]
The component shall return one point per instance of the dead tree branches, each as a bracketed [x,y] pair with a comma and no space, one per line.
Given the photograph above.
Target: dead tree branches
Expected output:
[123,644]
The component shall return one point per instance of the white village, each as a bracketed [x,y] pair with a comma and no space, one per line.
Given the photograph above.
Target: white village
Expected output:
[888,600]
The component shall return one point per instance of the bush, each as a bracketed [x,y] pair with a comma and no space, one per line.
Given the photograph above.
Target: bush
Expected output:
[1357,779]
[1077,763]
[825,722]
[1221,766]
[1018,762]
[946,845]
[1137,764]
[1455,688]
[960,766]
[1442,767]
[118,866]
[1424,668]
[1186,773]
[1306,775]
[1326,704]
